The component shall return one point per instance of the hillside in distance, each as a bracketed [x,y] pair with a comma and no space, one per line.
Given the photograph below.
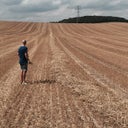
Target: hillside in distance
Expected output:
[94,19]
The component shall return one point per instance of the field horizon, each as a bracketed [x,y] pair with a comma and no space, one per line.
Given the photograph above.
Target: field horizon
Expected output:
[78,79]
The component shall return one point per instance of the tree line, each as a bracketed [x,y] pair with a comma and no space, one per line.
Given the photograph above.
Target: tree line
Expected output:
[93,19]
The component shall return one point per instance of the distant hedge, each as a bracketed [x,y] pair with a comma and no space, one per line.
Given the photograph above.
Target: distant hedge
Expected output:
[93,19]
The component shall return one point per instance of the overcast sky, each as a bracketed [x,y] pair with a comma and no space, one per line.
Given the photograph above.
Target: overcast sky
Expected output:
[54,10]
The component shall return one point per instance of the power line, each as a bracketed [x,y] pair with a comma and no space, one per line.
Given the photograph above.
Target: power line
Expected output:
[78,14]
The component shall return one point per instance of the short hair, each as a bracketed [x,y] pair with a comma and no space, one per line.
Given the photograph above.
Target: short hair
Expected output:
[24,42]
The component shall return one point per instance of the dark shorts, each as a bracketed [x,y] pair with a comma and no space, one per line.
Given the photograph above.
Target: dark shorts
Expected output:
[24,67]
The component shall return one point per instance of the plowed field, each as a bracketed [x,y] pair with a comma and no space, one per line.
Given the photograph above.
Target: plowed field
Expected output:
[78,79]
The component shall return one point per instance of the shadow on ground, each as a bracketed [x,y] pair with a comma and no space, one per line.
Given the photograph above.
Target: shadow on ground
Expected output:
[47,81]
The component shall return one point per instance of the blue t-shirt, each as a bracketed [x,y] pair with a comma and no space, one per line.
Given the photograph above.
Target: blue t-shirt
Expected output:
[22,59]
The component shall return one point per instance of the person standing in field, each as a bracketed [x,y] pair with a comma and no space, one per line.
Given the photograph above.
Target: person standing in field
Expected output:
[23,61]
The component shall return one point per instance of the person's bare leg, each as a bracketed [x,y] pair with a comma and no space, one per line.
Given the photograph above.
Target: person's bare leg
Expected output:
[22,77]
[25,72]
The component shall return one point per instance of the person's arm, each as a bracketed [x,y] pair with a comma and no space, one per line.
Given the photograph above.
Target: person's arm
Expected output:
[26,53]
[27,56]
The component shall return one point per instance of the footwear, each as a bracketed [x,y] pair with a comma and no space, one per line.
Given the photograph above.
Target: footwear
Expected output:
[24,83]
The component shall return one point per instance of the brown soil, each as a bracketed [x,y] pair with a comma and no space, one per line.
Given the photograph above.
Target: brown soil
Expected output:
[78,79]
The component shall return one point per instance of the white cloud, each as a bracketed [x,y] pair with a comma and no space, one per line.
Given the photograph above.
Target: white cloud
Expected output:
[57,2]
[54,10]
[10,2]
